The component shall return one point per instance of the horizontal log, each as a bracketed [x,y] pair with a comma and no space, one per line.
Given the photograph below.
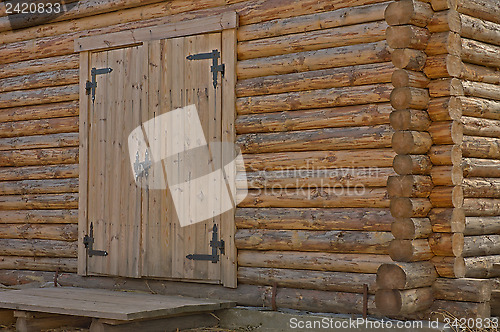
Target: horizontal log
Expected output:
[445,154]
[39,216]
[400,275]
[320,197]
[404,77]
[360,219]
[445,109]
[449,267]
[37,248]
[408,12]
[481,187]
[443,65]
[478,73]
[39,65]
[409,186]
[446,132]
[316,79]
[473,167]
[482,225]
[43,201]
[481,108]
[39,96]
[407,36]
[481,245]
[411,228]
[481,147]
[408,97]
[39,112]
[481,127]
[314,99]
[317,139]
[406,58]
[322,280]
[482,30]
[401,302]
[314,60]
[481,9]
[349,116]
[447,220]
[477,207]
[412,164]
[38,172]
[324,241]
[404,207]
[479,53]
[444,43]
[445,87]
[481,90]
[313,40]
[46,186]
[461,310]
[61,232]
[38,263]
[417,120]
[447,197]
[410,250]
[39,157]
[318,159]
[447,244]
[445,20]
[322,261]
[466,289]
[447,175]
[39,141]
[481,266]
[39,80]
[39,127]
[411,142]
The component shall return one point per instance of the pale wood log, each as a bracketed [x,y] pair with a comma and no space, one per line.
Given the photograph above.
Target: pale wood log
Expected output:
[317,139]
[408,12]
[480,53]
[443,65]
[39,80]
[444,109]
[417,120]
[39,141]
[446,197]
[313,40]
[447,175]
[316,79]
[482,225]
[38,263]
[405,58]
[444,43]
[322,280]
[324,241]
[439,5]
[410,250]
[447,244]
[46,186]
[400,302]
[318,159]
[314,60]
[46,111]
[62,232]
[321,98]
[39,157]
[473,167]
[37,248]
[446,132]
[481,108]
[403,77]
[481,147]
[408,97]
[66,216]
[39,127]
[409,186]
[39,96]
[412,164]
[481,266]
[404,207]
[399,275]
[52,201]
[411,142]
[478,73]
[477,207]
[461,310]
[481,187]
[481,90]
[320,197]
[481,9]
[445,20]
[38,172]
[39,65]
[348,116]
[465,289]
[407,36]
[445,154]
[447,220]
[444,87]
[481,245]
[481,30]
[411,228]
[449,267]
[359,263]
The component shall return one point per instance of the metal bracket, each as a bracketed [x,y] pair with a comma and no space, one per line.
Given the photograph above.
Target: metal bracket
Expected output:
[216,246]
[142,168]
[215,68]
[88,241]
[90,86]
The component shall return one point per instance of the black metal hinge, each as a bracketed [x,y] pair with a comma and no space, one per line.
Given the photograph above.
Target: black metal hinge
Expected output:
[88,241]
[216,246]
[215,68]
[90,86]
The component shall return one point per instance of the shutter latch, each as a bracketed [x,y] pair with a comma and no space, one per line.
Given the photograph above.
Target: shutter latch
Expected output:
[88,241]
[216,246]
[90,86]
[215,68]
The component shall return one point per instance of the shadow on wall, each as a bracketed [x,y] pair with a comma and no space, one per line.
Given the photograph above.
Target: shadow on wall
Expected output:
[28,13]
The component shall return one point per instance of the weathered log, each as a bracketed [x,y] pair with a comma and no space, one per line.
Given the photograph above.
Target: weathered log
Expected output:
[482,225]
[447,175]
[481,187]
[404,207]
[39,65]
[481,90]
[39,141]
[408,12]
[52,201]
[443,65]
[399,275]
[444,109]
[481,127]
[449,267]
[317,139]
[313,40]
[480,53]
[316,79]
[408,97]
[446,197]
[445,20]
[39,96]
[447,220]
[321,98]
[481,266]
[38,263]
[461,310]
[481,30]
[314,60]
[445,154]
[400,302]
[411,142]
[406,58]
[37,248]
[417,120]
[46,186]
[324,241]
[446,132]
[444,43]
[466,289]
[39,127]
[62,232]
[412,164]
[481,9]
[403,77]
[439,5]
[348,116]
[481,108]
[473,167]
[38,172]
[447,244]
[349,197]
[411,228]
[445,87]
[481,245]
[481,147]
[479,73]
[409,186]
[477,207]
[39,216]
[39,112]
[410,250]
[321,280]
[39,157]
[318,159]
[407,36]
[320,261]
[39,80]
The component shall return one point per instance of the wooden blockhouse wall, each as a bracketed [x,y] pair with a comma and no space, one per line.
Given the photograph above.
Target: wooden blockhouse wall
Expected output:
[395,103]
